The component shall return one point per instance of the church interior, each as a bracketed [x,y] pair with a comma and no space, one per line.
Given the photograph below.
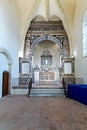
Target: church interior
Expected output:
[43,48]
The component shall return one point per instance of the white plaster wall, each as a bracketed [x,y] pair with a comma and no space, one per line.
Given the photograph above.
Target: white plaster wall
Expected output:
[10,32]
[69,8]
[9,36]
[52,47]
[80,62]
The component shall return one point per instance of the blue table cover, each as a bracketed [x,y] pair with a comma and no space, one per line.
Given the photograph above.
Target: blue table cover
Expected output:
[78,92]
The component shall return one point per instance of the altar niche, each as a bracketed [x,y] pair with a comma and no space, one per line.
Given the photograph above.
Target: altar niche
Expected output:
[47,63]
[46,58]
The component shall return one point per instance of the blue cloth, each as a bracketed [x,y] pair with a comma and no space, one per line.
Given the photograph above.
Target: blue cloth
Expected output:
[78,92]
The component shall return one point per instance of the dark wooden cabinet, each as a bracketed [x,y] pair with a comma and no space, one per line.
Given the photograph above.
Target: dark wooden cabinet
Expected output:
[5,83]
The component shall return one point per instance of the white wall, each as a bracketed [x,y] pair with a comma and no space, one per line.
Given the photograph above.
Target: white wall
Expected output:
[3,67]
[9,36]
[80,62]
[10,31]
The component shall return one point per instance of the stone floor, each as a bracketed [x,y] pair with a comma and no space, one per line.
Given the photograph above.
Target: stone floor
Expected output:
[42,113]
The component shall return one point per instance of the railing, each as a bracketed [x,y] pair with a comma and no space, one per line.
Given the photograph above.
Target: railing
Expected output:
[22,82]
[66,81]
[29,87]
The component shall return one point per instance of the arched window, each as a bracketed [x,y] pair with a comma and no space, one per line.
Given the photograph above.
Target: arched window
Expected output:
[84,31]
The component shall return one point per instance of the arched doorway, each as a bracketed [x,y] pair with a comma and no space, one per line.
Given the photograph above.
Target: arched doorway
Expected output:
[5,54]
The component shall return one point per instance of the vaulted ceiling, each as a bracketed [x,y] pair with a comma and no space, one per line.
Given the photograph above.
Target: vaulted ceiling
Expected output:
[46,10]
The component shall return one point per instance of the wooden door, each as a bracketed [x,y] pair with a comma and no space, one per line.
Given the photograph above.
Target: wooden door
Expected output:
[5,83]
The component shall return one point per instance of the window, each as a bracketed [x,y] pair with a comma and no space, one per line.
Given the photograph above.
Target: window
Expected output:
[84,31]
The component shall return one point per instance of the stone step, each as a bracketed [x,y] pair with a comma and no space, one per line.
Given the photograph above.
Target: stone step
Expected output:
[46,82]
[46,92]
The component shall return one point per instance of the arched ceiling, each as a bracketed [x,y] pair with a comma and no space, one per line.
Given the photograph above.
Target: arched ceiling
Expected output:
[48,9]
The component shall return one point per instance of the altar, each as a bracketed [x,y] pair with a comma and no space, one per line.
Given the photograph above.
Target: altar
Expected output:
[43,76]
[47,73]
[46,77]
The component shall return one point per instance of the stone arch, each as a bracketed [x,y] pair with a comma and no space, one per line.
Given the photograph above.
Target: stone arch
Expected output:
[7,55]
[10,62]
[43,38]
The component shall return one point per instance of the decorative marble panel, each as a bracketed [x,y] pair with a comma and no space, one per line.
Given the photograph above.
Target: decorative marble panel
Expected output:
[46,76]
[38,29]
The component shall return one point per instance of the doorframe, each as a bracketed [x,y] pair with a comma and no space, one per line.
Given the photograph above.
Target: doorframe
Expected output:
[10,62]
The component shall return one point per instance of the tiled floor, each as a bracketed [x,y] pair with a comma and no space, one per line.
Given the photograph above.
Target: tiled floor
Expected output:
[42,113]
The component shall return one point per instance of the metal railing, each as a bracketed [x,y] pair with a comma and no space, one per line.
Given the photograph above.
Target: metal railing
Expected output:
[23,82]
[29,87]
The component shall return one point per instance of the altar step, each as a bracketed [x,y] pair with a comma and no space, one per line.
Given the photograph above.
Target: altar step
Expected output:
[20,90]
[46,82]
[38,90]
[46,92]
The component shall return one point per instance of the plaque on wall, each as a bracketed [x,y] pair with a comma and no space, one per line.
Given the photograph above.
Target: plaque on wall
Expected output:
[24,65]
